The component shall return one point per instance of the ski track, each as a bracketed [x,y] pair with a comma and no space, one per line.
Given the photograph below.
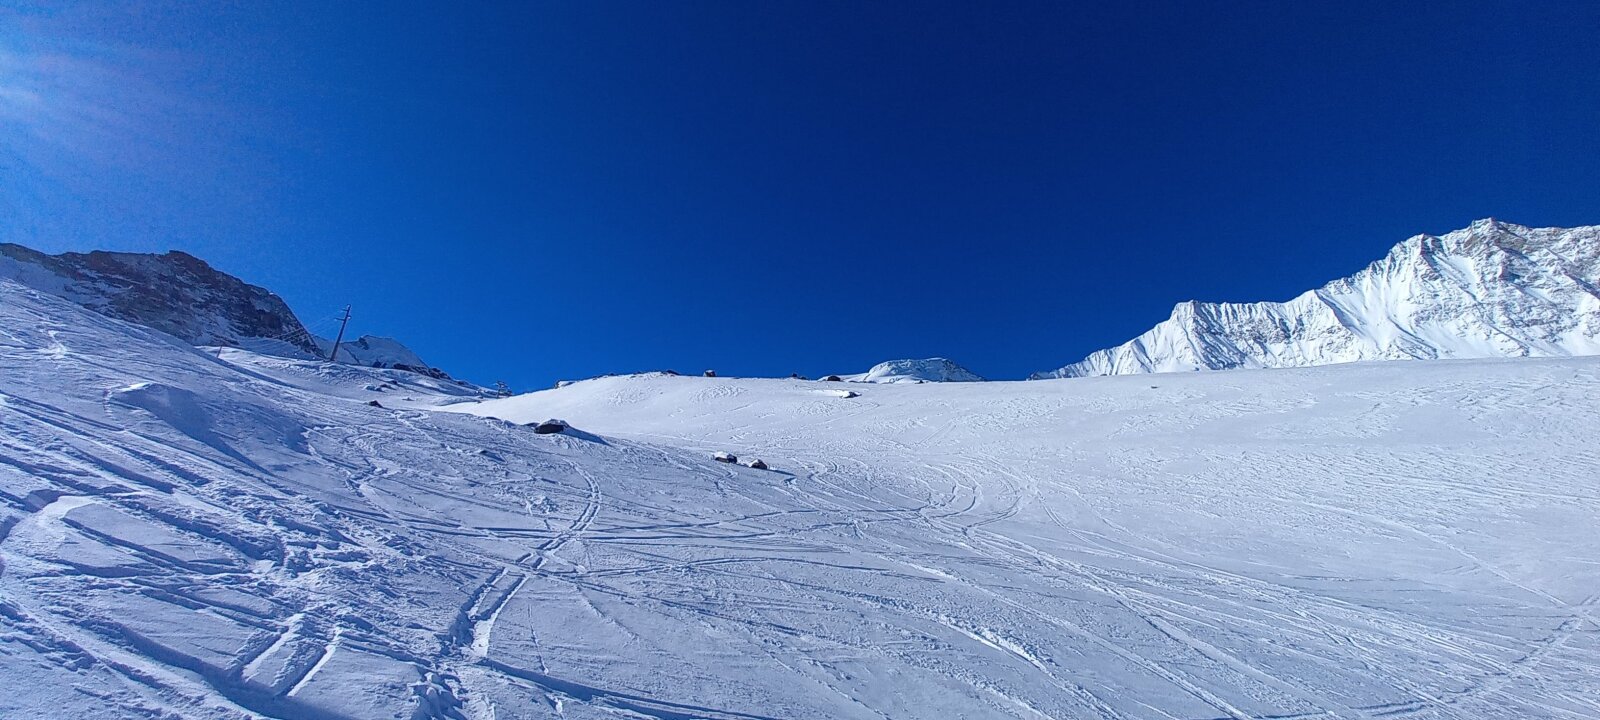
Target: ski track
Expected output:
[1362,542]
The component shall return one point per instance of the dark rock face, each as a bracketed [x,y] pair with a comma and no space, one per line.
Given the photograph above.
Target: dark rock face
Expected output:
[550,427]
[179,294]
[432,372]
[176,293]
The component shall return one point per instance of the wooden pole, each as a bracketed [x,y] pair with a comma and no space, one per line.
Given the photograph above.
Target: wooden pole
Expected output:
[334,356]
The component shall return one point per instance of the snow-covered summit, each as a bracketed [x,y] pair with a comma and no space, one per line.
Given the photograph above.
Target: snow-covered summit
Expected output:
[913,371]
[378,352]
[181,295]
[1493,289]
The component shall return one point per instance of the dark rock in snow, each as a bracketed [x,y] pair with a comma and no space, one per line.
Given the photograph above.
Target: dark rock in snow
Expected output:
[754,464]
[550,427]
[176,293]
[711,373]
[725,457]
[831,378]
[180,295]
[432,372]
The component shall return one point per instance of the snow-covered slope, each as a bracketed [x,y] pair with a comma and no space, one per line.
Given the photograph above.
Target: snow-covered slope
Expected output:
[914,371]
[1491,290]
[1351,541]
[379,352]
[220,534]
[188,534]
[182,296]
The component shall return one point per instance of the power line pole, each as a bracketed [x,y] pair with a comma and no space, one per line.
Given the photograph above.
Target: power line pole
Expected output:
[334,356]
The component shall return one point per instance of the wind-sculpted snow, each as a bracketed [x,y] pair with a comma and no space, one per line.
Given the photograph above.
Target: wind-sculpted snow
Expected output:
[218,535]
[1491,290]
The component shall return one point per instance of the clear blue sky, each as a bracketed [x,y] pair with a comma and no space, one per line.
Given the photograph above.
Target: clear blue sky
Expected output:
[548,190]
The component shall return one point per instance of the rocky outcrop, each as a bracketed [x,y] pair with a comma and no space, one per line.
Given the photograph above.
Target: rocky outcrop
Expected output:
[176,293]
[179,294]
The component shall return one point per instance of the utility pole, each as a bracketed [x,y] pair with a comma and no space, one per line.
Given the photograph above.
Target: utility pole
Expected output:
[334,356]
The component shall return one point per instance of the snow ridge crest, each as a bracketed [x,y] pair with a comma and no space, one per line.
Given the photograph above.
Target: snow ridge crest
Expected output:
[913,371]
[1492,289]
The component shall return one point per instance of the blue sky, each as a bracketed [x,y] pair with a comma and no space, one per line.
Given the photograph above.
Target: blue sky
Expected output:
[554,190]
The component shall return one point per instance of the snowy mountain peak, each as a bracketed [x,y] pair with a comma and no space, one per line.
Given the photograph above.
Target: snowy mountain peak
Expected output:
[1492,289]
[912,371]
[183,296]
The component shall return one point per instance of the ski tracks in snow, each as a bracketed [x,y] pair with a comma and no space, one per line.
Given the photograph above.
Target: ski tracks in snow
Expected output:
[1318,544]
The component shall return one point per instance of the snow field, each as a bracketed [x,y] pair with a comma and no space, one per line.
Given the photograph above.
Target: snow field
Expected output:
[217,535]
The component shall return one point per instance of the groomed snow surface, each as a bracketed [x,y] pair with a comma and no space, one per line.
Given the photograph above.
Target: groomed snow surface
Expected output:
[214,535]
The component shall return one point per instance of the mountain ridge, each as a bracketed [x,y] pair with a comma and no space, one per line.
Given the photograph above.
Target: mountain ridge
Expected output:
[184,296]
[1492,289]
[936,369]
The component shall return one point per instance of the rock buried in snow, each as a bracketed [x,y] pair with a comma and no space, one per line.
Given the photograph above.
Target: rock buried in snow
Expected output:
[754,463]
[725,457]
[550,427]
